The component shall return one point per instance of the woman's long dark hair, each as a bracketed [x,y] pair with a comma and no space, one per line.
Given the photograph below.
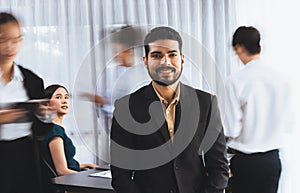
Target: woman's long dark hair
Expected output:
[51,89]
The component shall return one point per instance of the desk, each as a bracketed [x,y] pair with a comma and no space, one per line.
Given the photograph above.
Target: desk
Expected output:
[82,182]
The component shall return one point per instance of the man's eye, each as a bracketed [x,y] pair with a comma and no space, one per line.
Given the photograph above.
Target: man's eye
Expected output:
[173,55]
[156,56]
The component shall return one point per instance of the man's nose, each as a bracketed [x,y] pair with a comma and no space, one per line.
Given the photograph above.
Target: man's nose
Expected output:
[165,60]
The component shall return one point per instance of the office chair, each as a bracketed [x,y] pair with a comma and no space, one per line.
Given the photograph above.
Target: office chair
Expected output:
[48,173]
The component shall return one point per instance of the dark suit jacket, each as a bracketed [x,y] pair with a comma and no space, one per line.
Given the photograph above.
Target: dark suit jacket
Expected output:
[194,163]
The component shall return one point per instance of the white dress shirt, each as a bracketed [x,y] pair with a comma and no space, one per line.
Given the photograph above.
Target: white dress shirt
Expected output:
[12,92]
[258,109]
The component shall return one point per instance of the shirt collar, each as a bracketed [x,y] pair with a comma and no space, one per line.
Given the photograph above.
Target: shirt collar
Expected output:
[252,62]
[17,74]
[175,100]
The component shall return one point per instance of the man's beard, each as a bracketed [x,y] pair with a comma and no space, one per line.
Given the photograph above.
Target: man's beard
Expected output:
[165,82]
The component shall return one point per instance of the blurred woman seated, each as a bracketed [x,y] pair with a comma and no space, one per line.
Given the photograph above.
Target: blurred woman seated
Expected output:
[59,150]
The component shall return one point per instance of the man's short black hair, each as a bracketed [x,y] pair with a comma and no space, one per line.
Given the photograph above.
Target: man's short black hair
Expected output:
[249,37]
[162,33]
[129,36]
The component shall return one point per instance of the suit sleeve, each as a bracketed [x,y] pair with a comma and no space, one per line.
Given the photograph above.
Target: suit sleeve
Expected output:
[122,178]
[216,163]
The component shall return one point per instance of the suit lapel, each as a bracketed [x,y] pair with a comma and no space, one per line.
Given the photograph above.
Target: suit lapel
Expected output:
[184,110]
[151,97]
[187,113]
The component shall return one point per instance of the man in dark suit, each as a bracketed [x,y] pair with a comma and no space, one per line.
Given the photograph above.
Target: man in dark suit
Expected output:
[167,136]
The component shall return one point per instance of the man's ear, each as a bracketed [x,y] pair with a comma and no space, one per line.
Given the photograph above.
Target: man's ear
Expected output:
[182,59]
[145,61]
[239,49]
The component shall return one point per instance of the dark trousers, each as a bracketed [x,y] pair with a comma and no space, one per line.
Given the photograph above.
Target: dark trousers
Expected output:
[255,173]
[18,168]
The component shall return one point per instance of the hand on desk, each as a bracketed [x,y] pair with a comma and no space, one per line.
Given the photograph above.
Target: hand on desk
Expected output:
[88,166]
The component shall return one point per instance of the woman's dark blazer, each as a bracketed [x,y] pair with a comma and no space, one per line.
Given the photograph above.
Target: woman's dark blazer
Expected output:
[34,87]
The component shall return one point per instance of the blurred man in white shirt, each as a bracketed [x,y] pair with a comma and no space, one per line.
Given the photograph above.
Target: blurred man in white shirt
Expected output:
[257,117]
